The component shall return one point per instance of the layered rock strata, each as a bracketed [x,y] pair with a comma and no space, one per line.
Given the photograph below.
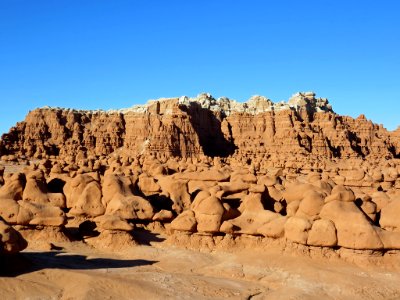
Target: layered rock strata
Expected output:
[193,127]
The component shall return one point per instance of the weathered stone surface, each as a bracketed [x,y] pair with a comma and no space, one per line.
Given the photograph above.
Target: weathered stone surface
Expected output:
[390,216]
[322,233]
[203,125]
[274,228]
[353,229]
[296,229]
[207,166]
[11,240]
[186,221]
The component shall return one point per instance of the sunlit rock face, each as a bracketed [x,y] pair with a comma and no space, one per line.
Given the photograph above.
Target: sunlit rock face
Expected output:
[194,127]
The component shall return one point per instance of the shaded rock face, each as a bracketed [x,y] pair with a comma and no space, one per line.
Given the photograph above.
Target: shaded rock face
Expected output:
[11,240]
[193,127]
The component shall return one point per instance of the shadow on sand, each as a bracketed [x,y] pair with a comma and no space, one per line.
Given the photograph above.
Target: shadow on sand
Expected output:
[146,237]
[27,262]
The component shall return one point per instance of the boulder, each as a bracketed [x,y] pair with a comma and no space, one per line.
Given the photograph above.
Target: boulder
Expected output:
[208,212]
[163,216]
[177,191]
[322,233]
[390,216]
[274,228]
[353,229]
[116,184]
[74,188]
[148,186]
[89,202]
[13,187]
[130,207]
[296,229]
[43,214]
[186,221]
[341,193]
[311,204]
[112,222]
[11,241]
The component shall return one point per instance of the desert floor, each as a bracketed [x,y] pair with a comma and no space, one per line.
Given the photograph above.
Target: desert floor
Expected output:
[156,270]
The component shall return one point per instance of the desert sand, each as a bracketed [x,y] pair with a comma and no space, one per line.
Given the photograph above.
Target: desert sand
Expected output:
[159,271]
[200,198]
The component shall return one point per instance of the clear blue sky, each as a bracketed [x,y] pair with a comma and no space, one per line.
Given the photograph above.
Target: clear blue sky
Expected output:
[115,53]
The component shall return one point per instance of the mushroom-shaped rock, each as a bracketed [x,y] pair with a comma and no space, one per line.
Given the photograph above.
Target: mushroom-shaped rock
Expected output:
[36,188]
[37,191]
[12,212]
[251,202]
[252,218]
[208,212]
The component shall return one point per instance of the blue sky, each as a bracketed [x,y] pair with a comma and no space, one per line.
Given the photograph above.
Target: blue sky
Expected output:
[114,54]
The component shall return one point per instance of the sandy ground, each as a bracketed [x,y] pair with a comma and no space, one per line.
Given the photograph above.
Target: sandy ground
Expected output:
[161,271]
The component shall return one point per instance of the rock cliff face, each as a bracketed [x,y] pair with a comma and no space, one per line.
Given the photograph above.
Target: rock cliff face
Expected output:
[194,127]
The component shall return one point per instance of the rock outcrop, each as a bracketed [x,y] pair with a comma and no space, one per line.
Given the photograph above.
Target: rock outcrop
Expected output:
[194,127]
[294,172]
[11,240]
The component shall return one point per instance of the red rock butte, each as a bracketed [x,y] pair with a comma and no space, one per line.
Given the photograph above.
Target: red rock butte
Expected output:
[258,130]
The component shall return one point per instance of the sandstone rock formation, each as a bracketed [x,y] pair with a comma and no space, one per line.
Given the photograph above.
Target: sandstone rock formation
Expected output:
[193,127]
[11,240]
[292,171]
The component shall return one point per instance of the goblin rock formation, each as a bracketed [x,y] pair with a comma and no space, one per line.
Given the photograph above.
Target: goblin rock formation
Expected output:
[11,240]
[201,168]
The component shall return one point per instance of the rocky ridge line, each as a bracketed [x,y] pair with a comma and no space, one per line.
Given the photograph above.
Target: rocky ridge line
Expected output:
[255,105]
[304,127]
